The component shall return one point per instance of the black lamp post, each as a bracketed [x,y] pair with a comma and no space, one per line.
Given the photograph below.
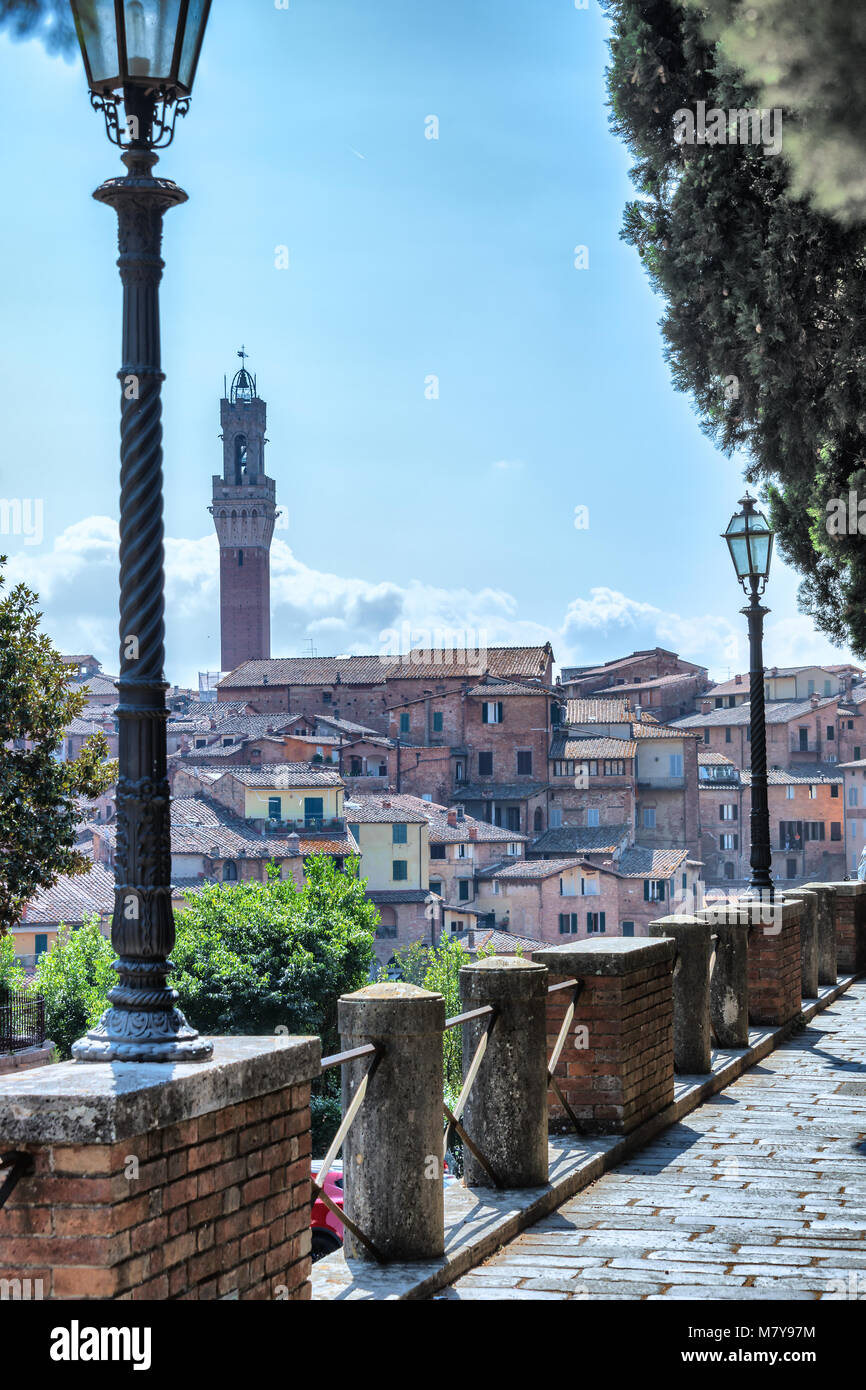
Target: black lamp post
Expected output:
[141,54]
[750,542]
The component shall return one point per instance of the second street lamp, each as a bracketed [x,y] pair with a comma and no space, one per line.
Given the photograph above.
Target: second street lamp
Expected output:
[141,54]
[750,542]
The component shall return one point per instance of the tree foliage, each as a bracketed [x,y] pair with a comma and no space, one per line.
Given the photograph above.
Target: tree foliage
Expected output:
[271,957]
[48,20]
[763,321]
[809,60]
[11,969]
[38,793]
[74,976]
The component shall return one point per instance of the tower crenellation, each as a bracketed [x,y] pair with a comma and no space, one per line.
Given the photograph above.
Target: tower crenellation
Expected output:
[244,512]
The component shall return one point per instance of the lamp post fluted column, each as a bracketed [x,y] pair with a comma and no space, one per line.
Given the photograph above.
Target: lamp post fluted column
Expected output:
[761,857]
[143,1023]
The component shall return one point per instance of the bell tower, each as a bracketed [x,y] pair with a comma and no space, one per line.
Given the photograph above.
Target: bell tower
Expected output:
[244,511]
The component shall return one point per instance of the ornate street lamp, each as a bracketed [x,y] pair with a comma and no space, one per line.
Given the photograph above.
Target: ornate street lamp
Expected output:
[141,54]
[750,542]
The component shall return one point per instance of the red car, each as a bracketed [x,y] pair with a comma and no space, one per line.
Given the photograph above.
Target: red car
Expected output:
[327,1228]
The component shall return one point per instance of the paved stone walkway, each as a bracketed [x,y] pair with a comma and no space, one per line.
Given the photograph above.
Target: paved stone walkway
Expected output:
[759,1194]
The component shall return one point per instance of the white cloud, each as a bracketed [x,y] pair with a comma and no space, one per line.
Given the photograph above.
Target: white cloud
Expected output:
[76,580]
[508,465]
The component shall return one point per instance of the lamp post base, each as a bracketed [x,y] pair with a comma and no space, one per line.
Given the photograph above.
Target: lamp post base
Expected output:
[142,1036]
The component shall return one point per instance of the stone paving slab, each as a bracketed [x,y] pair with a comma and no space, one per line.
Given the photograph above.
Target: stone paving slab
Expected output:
[759,1193]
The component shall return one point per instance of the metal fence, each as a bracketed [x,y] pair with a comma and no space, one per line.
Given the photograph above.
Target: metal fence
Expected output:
[22,1021]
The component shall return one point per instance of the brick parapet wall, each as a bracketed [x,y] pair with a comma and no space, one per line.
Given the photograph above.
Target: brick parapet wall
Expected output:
[775,971]
[212,1205]
[625,1072]
[848,904]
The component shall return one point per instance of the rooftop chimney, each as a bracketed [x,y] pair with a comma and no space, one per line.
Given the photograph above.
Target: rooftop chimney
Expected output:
[293,844]
[815,699]
[452,816]
[473,832]
[738,680]
[470,941]
[705,706]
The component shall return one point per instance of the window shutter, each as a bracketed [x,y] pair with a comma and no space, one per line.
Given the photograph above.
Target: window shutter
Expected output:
[484,719]
[661,890]
[646,890]
[736,842]
[721,813]
[499,712]
[601,921]
[574,926]
[736,812]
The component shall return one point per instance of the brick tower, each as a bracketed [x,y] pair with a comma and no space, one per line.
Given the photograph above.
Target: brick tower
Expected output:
[244,510]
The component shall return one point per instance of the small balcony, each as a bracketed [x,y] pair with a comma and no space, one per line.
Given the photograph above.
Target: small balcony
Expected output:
[812,745]
[304,825]
[659,783]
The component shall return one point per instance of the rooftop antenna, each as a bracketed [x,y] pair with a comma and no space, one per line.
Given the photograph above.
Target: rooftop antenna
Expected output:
[313,651]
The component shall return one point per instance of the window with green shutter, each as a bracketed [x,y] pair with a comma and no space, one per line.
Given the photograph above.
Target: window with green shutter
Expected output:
[437,721]
[404,723]
[399,834]
[400,870]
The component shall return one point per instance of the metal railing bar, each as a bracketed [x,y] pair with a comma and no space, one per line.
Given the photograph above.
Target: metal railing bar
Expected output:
[454,1123]
[566,1024]
[347,1221]
[564,1103]
[454,1116]
[20,1166]
[338,1058]
[466,1018]
[353,1108]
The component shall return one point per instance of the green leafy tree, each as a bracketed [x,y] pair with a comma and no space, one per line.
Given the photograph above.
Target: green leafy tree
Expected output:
[763,323]
[11,970]
[272,957]
[38,793]
[74,976]
[261,957]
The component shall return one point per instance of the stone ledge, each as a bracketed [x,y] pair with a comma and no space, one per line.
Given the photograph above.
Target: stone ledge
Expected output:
[619,956]
[479,1221]
[103,1102]
[39,1056]
[846,888]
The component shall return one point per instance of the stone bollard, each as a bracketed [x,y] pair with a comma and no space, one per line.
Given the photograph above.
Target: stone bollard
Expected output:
[506,1111]
[826,931]
[808,939]
[729,974]
[392,1155]
[692,1044]
[848,913]
[775,988]
[616,1069]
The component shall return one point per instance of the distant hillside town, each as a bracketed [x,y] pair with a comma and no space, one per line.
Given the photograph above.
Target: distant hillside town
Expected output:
[486,798]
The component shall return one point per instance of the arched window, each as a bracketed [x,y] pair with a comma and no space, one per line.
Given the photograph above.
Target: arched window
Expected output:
[539,821]
[240,456]
[230,871]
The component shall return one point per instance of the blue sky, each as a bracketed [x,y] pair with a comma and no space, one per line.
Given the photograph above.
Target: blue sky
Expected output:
[408,258]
